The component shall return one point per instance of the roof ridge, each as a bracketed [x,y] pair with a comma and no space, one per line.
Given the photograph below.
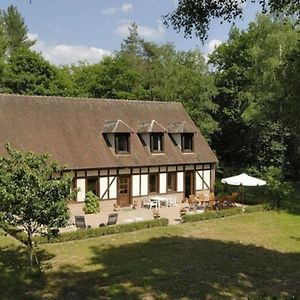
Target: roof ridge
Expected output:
[89,98]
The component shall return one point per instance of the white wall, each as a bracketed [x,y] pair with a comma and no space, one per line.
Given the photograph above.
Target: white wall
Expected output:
[199,181]
[144,184]
[179,181]
[113,187]
[111,138]
[146,138]
[206,178]
[136,185]
[162,183]
[103,182]
[80,183]
[177,138]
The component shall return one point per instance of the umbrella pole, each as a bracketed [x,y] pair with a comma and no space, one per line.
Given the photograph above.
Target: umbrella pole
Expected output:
[243,196]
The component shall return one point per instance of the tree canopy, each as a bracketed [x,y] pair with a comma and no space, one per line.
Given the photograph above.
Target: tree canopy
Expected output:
[195,16]
[31,195]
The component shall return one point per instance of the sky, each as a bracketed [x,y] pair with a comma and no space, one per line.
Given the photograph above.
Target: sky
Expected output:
[68,31]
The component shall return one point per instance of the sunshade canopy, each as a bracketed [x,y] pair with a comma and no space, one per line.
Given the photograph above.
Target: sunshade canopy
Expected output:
[243,179]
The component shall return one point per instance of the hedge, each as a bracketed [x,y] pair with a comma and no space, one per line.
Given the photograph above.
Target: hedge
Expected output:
[222,213]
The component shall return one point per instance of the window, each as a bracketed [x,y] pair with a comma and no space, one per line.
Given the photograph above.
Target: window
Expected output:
[92,185]
[122,142]
[171,181]
[156,142]
[153,183]
[187,142]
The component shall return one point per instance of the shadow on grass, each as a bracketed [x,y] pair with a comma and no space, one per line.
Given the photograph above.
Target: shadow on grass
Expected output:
[176,267]
[16,282]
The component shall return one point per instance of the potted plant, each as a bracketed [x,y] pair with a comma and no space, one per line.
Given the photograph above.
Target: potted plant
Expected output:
[116,207]
[183,211]
[156,214]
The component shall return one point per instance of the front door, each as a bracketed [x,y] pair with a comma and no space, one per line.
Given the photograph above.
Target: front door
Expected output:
[124,190]
[189,186]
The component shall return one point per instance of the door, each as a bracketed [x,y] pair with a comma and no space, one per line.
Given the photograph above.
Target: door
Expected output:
[124,197]
[189,186]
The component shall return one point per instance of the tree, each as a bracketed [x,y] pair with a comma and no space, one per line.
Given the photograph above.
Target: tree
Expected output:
[251,95]
[15,30]
[32,197]
[196,15]
[28,73]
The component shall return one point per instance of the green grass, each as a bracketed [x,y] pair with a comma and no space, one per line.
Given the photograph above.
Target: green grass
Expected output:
[254,255]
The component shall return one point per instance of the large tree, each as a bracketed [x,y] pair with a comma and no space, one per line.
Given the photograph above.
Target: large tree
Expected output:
[27,72]
[15,30]
[252,96]
[32,196]
[194,16]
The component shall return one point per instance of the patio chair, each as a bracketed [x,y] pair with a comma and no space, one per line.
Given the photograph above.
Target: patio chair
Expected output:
[80,222]
[112,219]
[172,202]
[150,203]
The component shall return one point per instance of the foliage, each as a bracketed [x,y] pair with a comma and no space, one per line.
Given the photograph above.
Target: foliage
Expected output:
[29,73]
[207,215]
[194,16]
[254,103]
[91,204]
[278,189]
[105,230]
[15,30]
[31,197]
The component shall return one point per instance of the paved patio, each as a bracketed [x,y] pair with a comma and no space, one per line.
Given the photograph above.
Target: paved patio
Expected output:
[126,215]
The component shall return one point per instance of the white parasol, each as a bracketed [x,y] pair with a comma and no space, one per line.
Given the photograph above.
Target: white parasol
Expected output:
[243,180]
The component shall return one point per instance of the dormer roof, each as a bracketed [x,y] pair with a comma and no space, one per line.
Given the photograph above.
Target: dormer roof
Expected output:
[180,127]
[150,127]
[117,126]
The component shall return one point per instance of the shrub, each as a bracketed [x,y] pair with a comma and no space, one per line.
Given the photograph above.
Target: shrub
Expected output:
[101,231]
[91,205]
[278,189]
[222,213]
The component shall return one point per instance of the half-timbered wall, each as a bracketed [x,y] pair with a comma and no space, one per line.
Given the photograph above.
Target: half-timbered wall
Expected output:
[108,180]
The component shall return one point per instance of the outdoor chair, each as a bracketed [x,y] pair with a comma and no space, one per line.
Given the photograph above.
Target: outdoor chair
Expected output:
[112,219]
[80,222]
[172,202]
[150,203]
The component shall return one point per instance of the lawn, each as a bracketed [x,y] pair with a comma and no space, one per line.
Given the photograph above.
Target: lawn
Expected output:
[255,255]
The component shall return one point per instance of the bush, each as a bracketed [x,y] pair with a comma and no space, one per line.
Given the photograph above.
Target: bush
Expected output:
[106,230]
[91,205]
[222,213]
[278,189]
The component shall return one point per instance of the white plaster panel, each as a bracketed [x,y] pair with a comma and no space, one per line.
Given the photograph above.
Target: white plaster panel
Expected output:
[135,185]
[144,184]
[92,173]
[162,183]
[179,181]
[80,183]
[112,187]
[199,181]
[206,178]
[124,171]
[146,138]
[103,187]
[177,139]
[111,138]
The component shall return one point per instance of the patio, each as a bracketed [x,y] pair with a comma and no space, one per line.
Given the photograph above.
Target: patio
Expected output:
[140,213]
[125,215]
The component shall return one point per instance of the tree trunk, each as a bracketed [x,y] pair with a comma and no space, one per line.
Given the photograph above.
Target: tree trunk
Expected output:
[30,251]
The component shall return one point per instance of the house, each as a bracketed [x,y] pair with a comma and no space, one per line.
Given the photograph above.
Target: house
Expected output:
[121,150]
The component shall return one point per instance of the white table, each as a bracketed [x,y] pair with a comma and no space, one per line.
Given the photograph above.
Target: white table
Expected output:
[159,200]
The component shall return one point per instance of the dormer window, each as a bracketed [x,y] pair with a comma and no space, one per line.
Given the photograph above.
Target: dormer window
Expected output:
[122,142]
[117,135]
[187,142]
[156,142]
[151,134]
[182,135]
